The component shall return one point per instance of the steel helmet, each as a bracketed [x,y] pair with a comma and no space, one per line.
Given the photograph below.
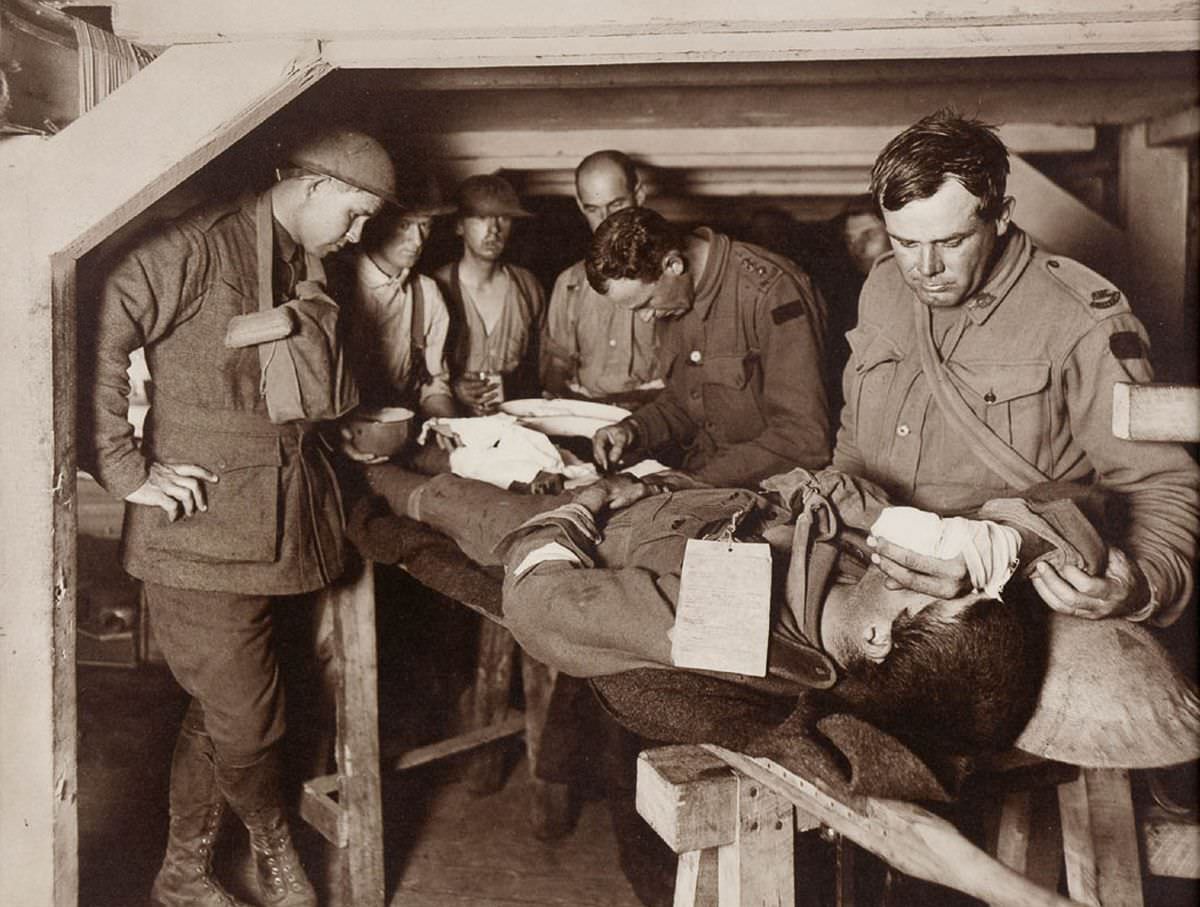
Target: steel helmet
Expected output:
[350,156]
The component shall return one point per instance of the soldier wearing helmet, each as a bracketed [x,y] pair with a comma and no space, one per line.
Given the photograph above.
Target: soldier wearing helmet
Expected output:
[230,502]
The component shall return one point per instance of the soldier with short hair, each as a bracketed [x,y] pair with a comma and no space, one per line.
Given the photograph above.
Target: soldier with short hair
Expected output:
[741,350]
[591,347]
[983,365]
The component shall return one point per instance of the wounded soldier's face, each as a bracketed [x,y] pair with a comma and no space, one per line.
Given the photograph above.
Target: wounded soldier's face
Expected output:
[856,621]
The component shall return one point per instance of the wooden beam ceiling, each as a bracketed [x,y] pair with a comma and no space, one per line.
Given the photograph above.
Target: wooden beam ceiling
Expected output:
[466,33]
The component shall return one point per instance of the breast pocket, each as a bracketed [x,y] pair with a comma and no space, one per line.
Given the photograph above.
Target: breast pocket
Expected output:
[876,361]
[730,401]
[1014,400]
[241,522]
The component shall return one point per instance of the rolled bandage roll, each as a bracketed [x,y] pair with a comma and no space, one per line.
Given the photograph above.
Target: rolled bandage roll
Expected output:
[259,327]
[989,550]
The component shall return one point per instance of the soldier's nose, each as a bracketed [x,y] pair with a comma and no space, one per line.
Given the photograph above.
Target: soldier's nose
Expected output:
[929,262]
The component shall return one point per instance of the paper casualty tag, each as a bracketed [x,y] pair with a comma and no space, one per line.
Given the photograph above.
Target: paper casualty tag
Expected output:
[723,616]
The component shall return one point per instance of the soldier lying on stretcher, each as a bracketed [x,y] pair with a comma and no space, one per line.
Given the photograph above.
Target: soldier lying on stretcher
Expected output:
[591,584]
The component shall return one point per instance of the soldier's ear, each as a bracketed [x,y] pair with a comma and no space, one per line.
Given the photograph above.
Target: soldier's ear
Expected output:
[674,264]
[877,639]
[639,195]
[1006,213]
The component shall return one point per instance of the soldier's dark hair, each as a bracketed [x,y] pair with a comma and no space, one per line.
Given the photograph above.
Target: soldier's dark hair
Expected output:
[630,244]
[618,158]
[965,685]
[942,146]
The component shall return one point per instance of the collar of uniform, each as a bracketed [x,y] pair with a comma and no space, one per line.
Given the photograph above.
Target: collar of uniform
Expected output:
[286,247]
[709,281]
[373,277]
[1018,252]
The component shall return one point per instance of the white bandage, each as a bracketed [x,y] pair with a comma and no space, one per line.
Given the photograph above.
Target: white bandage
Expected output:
[551,551]
[989,550]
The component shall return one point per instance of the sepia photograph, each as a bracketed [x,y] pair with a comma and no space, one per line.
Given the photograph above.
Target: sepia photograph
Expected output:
[599,454]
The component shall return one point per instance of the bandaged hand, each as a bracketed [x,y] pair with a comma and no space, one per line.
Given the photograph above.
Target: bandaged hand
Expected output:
[907,569]
[1122,590]
[943,557]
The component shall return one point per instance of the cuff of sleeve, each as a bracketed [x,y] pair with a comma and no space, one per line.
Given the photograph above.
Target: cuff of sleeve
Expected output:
[574,520]
[122,479]
[1151,607]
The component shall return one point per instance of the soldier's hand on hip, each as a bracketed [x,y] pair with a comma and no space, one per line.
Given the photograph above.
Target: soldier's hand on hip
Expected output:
[906,569]
[178,488]
[1122,589]
[610,443]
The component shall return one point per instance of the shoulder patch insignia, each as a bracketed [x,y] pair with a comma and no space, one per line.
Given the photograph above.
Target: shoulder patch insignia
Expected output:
[788,311]
[1096,294]
[1126,345]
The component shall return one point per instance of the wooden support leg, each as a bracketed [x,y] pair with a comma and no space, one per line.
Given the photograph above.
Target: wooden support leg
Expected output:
[696,879]
[490,703]
[697,805]
[358,738]
[758,867]
[1100,839]
[1029,837]
[844,875]
[550,803]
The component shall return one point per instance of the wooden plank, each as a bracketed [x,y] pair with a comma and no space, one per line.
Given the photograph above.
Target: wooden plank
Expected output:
[38,824]
[697,878]
[549,802]
[1013,837]
[322,812]
[1174,129]
[490,698]
[1156,412]
[689,797]
[96,180]
[1061,223]
[620,32]
[359,794]
[1114,832]
[759,866]
[1157,208]
[513,724]
[887,79]
[1029,836]
[819,146]
[1171,845]
[1100,839]
[910,838]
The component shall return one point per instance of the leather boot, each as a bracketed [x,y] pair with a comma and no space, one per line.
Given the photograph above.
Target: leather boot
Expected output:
[185,879]
[253,792]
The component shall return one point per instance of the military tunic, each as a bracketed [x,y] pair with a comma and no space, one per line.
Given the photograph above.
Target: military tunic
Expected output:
[273,524]
[745,395]
[617,614]
[1035,353]
[606,347]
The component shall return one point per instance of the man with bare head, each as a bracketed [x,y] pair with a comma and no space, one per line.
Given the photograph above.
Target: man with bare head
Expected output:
[591,347]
